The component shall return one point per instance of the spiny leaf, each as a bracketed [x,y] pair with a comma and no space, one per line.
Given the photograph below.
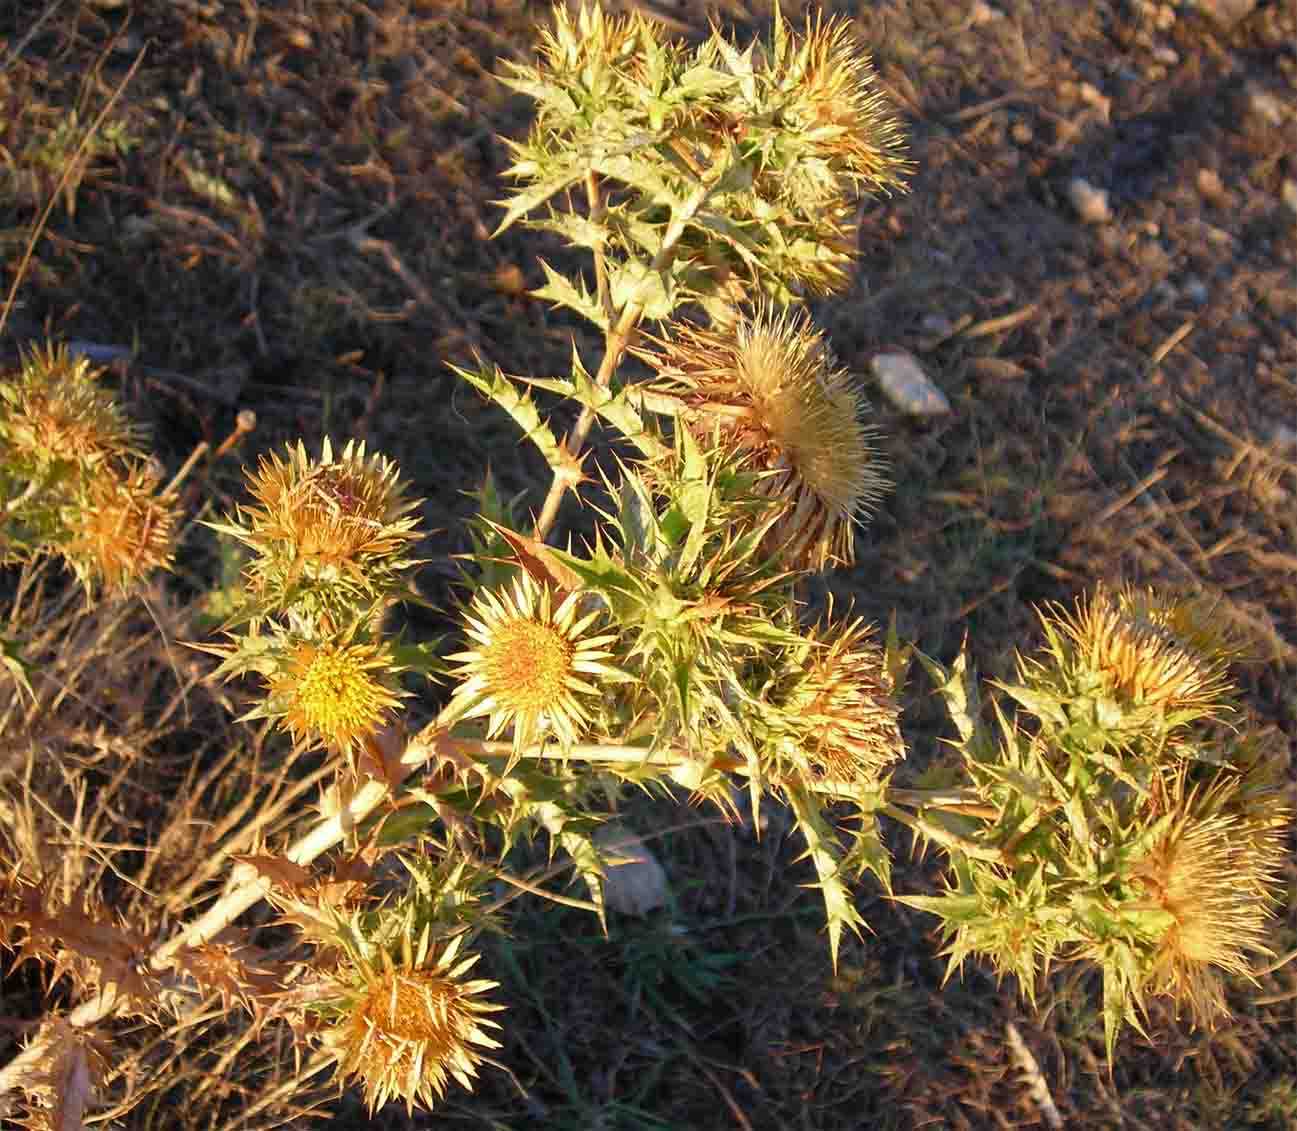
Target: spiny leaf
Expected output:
[561,291]
[498,388]
[827,858]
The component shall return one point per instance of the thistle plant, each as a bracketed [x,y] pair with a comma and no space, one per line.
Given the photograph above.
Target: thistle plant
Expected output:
[1108,806]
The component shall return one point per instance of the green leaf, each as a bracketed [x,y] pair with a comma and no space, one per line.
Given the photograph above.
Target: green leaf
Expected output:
[497,387]
[821,847]
[561,291]
[523,201]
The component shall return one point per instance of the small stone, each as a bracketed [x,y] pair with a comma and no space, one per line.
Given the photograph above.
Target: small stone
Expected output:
[1021,132]
[1168,56]
[1091,203]
[936,326]
[982,13]
[1265,106]
[1165,18]
[634,882]
[906,385]
[1210,184]
[1194,291]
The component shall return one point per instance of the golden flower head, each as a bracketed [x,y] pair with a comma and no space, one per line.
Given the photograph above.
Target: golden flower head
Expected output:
[1217,871]
[55,411]
[530,665]
[120,529]
[844,702]
[333,693]
[336,519]
[1132,642]
[772,387]
[408,1029]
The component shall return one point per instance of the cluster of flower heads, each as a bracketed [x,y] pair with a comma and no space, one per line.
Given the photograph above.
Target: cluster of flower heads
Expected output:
[73,480]
[1125,821]
[329,543]
[778,138]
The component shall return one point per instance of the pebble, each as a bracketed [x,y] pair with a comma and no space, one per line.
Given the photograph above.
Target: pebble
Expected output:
[1283,437]
[982,13]
[936,325]
[1021,132]
[906,385]
[1166,55]
[1226,13]
[1265,106]
[634,882]
[1210,184]
[1194,291]
[1091,203]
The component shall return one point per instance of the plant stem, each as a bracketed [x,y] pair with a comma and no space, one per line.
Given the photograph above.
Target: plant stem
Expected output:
[618,337]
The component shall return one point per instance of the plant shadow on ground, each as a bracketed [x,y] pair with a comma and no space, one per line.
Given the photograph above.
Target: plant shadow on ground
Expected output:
[289,210]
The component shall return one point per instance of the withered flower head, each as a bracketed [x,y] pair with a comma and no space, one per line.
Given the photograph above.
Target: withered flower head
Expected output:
[335,517]
[1132,644]
[531,663]
[773,388]
[836,103]
[54,410]
[410,1028]
[844,700]
[1217,872]
[120,530]
[333,693]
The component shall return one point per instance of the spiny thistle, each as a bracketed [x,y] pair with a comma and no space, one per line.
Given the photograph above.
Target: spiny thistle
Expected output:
[773,388]
[120,529]
[54,412]
[405,1030]
[1217,872]
[531,664]
[333,532]
[844,699]
[335,692]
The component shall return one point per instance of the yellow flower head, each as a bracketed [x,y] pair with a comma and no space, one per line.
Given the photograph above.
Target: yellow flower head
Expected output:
[410,1029]
[56,411]
[771,385]
[333,693]
[120,530]
[529,667]
[1217,872]
[1132,644]
[329,518]
[845,701]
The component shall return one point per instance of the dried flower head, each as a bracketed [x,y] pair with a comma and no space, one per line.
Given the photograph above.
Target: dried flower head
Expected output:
[121,529]
[772,387]
[340,520]
[1139,657]
[1217,872]
[530,665]
[410,1028]
[338,694]
[844,702]
[54,411]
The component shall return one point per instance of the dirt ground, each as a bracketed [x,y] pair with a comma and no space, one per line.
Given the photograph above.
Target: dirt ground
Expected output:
[287,207]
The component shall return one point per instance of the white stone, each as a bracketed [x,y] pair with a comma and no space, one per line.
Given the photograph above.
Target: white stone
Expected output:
[634,882]
[906,385]
[1091,203]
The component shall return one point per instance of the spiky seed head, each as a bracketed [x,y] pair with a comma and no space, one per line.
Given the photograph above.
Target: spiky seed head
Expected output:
[836,100]
[1140,657]
[330,517]
[1192,620]
[55,411]
[772,386]
[121,529]
[333,693]
[410,1029]
[846,703]
[1217,872]
[531,664]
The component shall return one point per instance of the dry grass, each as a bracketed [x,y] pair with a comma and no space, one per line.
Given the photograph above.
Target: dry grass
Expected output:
[289,211]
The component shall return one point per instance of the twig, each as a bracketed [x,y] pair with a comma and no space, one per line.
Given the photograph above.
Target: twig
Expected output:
[1036,1083]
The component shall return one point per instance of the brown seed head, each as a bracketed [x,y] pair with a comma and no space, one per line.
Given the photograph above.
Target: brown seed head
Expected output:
[772,387]
[121,530]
